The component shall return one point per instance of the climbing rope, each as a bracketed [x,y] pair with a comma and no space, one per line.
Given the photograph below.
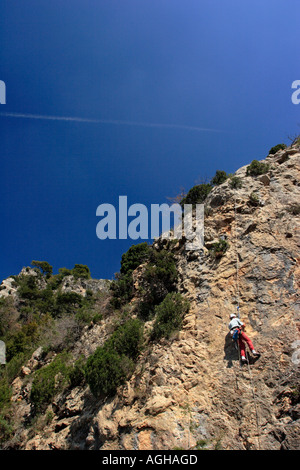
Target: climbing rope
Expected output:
[255,403]
[238,314]
[253,394]
[237,261]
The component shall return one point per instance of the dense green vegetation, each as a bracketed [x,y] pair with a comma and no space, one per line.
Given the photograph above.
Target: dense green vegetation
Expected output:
[275,149]
[219,178]
[169,315]
[42,314]
[48,381]
[122,287]
[113,363]
[257,168]
[158,277]
[197,194]
[45,315]
[136,255]
[44,266]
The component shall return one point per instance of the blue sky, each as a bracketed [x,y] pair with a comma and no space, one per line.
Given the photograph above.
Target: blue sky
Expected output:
[165,92]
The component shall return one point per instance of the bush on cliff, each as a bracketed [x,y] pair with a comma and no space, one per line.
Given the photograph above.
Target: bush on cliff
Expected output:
[275,149]
[197,194]
[48,381]
[169,315]
[105,371]
[219,248]
[136,255]
[235,182]
[219,178]
[113,363]
[158,278]
[257,168]
[122,286]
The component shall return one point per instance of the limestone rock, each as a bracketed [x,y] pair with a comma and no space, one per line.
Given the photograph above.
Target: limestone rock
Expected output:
[81,285]
[8,287]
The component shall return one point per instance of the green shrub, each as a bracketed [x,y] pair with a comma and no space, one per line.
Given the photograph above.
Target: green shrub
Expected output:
[55,280]
[69,299]
[14,365]
[7,314]
[77,372]
[254,199]
[106,370]
[44,266]
[28,288]
[45,301]
[81,271]
[275,149]
[161,272]
[159,279]
[159,276]
[87,315]
[219,248]
[257,168]
[219,178]
[113,363]
[6,428]
[136,255]
[122,286]
[86,310]
[169,315]
[201,444]
[65,272]
[5,393]
[128,338]
[121,289]
[34,299]
[48,381]
[295,395]
[67,302]
[197,194]
[22,341]
[235,182]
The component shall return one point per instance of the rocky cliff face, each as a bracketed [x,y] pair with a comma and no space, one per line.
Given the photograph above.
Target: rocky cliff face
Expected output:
[191,390]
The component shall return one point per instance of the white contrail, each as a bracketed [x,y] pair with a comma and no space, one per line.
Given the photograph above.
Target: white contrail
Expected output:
[109,121]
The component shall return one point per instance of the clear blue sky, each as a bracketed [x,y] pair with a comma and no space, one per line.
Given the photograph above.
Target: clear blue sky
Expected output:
[223,65]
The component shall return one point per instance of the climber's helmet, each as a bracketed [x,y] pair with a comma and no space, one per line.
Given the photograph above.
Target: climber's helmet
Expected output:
[232,316]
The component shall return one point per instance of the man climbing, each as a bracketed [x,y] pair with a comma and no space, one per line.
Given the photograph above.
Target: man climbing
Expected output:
[236,327]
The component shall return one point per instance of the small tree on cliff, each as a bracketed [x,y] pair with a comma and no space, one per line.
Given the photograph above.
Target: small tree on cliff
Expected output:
[44,266]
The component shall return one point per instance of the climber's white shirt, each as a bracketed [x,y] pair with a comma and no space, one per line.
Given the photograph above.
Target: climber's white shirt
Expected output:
[235,323]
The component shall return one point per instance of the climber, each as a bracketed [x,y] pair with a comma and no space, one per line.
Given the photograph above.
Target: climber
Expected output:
[236,327]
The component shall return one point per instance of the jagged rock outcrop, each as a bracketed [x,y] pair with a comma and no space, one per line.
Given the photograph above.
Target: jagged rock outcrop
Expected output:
[8,287]
[80,286]
[191,388]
